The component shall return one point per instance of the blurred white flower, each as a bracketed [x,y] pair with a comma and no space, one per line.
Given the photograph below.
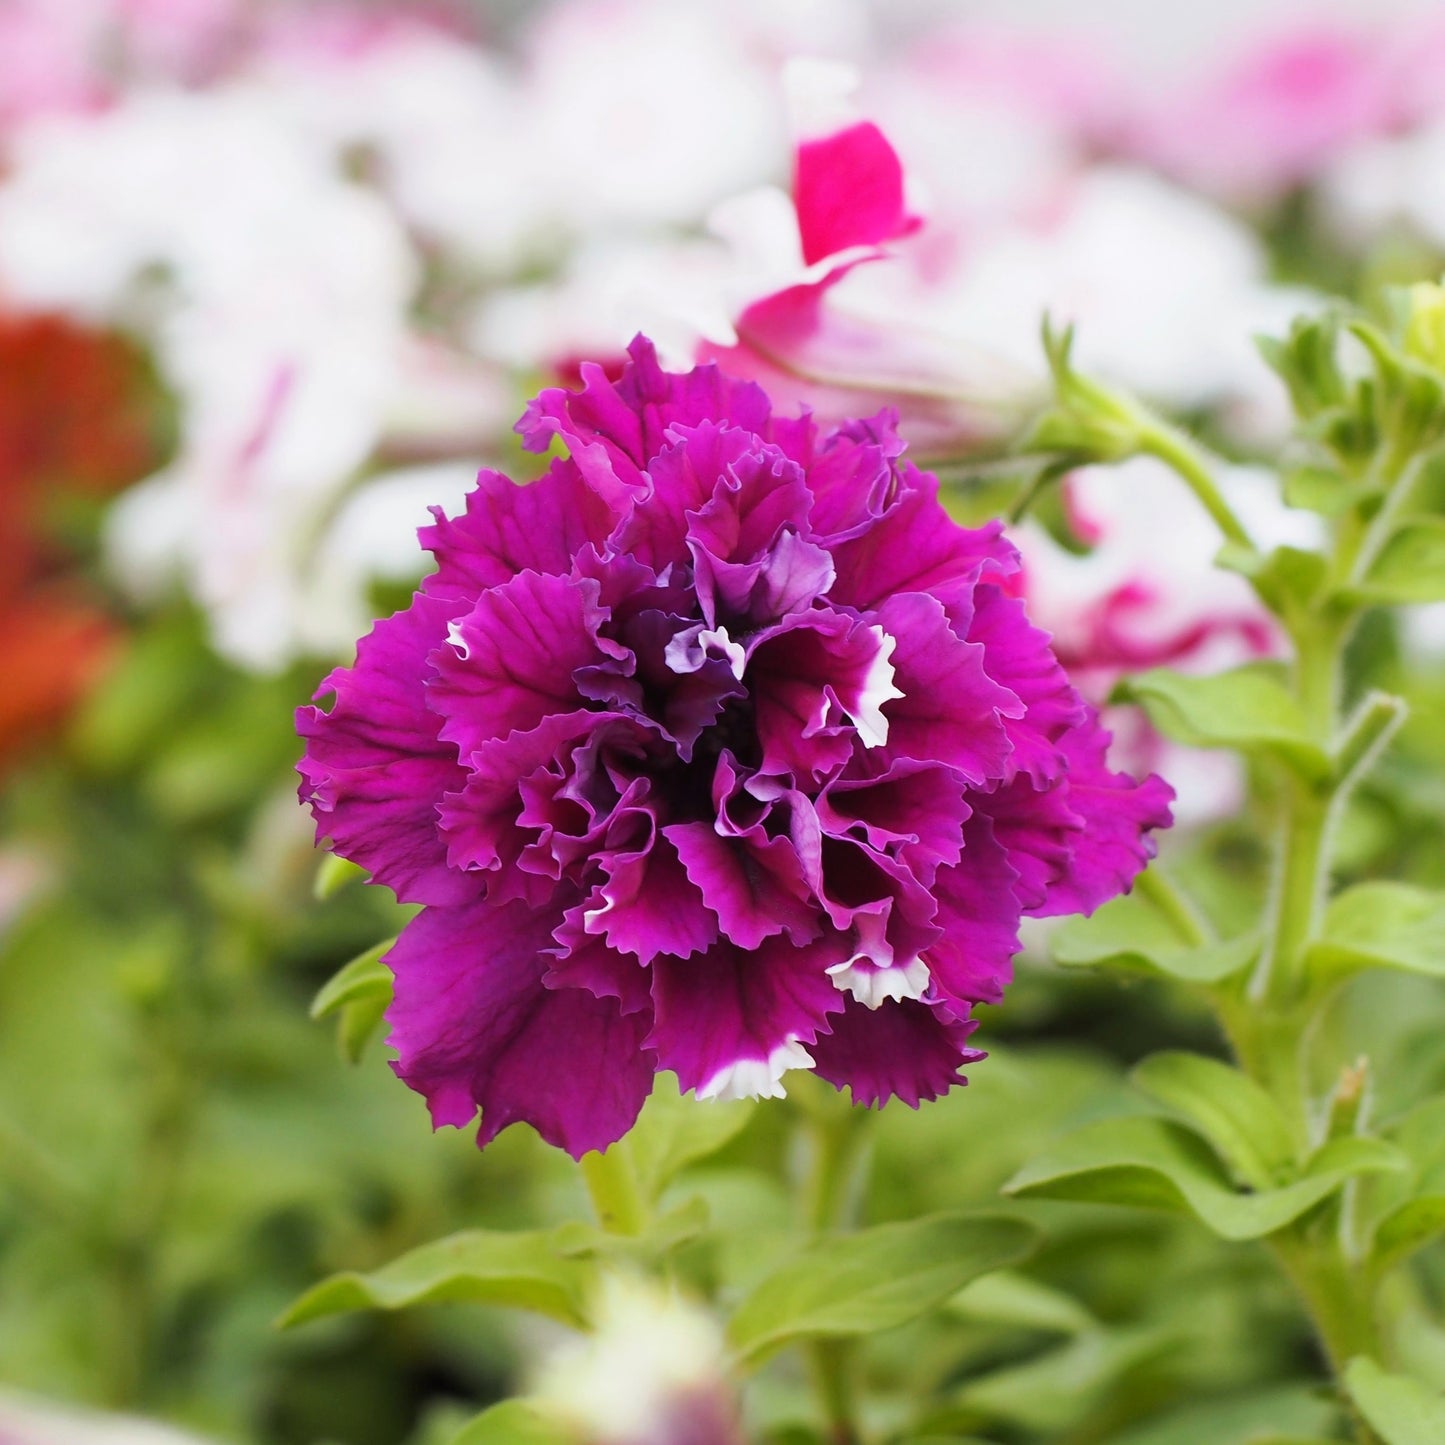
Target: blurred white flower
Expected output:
[992,122]
[372,538]
[1381,184]
[648,112]
[276,294]
[1165,289]
[440,119]
[28,1420]
[653,1374]
[674,291]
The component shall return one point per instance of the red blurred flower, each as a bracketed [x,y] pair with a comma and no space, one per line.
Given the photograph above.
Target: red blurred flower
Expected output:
[77,418]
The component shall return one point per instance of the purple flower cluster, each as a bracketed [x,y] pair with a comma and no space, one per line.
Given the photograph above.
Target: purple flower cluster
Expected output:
[720,748]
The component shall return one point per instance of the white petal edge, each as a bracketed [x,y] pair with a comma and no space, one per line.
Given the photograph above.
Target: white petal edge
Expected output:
[873,987]
[757,1078]
[878,689]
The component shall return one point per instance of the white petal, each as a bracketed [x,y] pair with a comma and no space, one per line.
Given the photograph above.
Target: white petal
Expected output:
[757,1078]
[875,986]
[878,689]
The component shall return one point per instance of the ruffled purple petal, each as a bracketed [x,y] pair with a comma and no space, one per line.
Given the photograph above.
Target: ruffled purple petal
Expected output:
[474,1027]
[1118,814]
[648,904]
[375,770]
[732,1021]
[809,677]
[512,661]
[614,429]
[914,546]
[911,810]
[900,1050]
[950,711]
[507,529]
[978,915]
[1018,656]
[755,885]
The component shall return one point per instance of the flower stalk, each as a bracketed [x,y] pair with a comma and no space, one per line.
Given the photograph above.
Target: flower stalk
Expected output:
[613,1187]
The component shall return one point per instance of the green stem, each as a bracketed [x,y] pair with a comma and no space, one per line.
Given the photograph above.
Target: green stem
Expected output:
[1177,451]
[1341,1306]
[1299,893]
[616,1196]
[1302,874]
[831,1199]
[1158,888]
[1359,545]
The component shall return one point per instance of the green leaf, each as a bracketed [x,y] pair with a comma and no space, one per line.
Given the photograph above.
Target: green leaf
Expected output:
[674,1131]
[1006,1298]
[875,1279]
[1153,1164]
[1321,489]
[1285,1415]
[1381,925]
[1404,1230]
[1400,1410]
[365,976]
[333,874]
[1246,710]
[1410,567]
[522,1271]
[360,993]
[664,1233]
[1052,1392]
[1288,578]
[514,1422]
[1130,933]
[1242,1122]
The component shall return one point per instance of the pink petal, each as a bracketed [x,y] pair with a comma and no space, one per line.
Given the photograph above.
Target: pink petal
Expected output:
[848,189]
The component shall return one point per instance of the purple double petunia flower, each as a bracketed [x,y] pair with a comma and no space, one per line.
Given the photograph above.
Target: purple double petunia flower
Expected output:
[720,748]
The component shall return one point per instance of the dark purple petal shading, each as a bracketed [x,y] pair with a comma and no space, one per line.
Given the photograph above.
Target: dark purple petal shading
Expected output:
[978,914]
[900,1050]
[811,675]
[648,905]
[731,1021]
[911,810]
[755,885]
[474,1027]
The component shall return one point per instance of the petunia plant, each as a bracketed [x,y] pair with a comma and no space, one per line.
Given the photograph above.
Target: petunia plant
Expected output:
[1266,1144]
[722,764]
[718,750]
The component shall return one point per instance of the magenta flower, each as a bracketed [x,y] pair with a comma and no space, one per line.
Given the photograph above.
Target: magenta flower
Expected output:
[720,749]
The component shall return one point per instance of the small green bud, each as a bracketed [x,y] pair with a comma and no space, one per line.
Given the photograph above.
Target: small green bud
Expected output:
[1087,422]
[1425,325]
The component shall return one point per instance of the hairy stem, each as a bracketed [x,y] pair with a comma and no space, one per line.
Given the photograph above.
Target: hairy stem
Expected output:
[1184,456]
